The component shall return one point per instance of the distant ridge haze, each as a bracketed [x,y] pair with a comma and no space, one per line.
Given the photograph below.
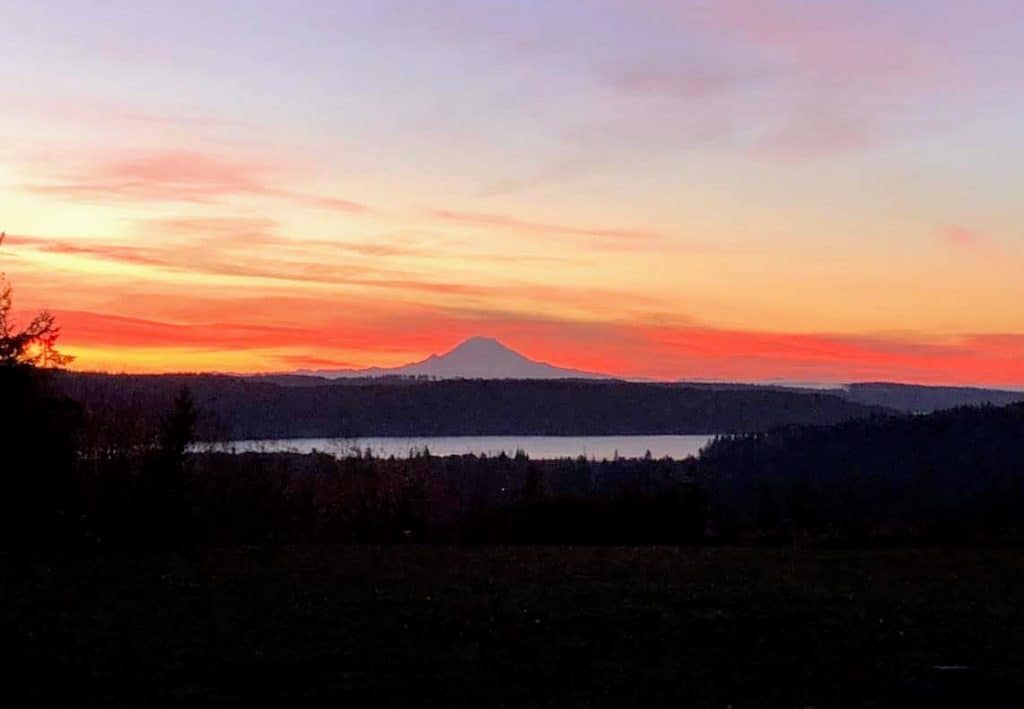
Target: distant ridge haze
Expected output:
[487,358]
[475,358]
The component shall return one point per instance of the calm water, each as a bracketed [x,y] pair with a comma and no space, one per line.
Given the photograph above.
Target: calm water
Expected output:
[598,447]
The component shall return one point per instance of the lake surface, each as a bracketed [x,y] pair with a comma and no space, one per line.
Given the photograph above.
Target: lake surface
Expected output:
[539,447]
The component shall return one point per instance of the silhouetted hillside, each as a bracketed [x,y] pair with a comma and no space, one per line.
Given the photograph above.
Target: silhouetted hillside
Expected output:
[237,408]
[906,398]
[111,465]
[948,474]
[924,399]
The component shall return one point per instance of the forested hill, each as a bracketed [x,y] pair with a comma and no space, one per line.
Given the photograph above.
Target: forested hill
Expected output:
[922,399]
[237,408]
[957,472]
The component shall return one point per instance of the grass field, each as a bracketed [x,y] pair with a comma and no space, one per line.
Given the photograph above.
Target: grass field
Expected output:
[489,626]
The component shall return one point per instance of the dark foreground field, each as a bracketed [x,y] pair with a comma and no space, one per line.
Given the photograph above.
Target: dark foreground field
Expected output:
[385,626]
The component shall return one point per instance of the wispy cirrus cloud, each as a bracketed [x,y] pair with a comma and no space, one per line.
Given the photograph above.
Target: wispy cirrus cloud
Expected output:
[670,77]
[182,176]
[775,80]
[106,252]
[224,229]
[624,236]
[803,80]
[123,114]
[841,43]
[301,263]
[178,176]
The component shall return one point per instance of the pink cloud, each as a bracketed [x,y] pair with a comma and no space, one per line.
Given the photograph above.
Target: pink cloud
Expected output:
[183,176]
[813,79]
[963,238]
[670,77]
[167,176]
[817,130]
[107,252]
[840,43]
[976,243]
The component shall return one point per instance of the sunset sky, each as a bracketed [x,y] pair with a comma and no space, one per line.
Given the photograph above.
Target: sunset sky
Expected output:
[730,189]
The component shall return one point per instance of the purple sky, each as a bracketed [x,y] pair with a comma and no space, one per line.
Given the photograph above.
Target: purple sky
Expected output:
[795,189]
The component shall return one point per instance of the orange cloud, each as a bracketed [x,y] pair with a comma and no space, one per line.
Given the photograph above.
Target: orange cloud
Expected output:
[389,334]
[249,249]
[966,359]
[125,254]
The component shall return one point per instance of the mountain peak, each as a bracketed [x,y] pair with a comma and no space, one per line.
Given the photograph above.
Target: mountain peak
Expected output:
[480,341]
[481,344]
[476,358]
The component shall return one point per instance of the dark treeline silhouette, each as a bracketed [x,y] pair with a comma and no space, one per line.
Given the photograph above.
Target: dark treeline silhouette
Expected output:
[38,458]
[96,478]
[256,498]
[903,398]
[951,475]
[38,427]
[236,408]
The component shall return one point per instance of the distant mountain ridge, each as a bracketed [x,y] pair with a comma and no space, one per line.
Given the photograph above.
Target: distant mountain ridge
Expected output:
[487,358]
[295,406]
[926,399]
[475,358]
[235,408]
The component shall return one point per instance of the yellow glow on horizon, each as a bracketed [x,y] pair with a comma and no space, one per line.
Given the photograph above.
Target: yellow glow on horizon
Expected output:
[144,360]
